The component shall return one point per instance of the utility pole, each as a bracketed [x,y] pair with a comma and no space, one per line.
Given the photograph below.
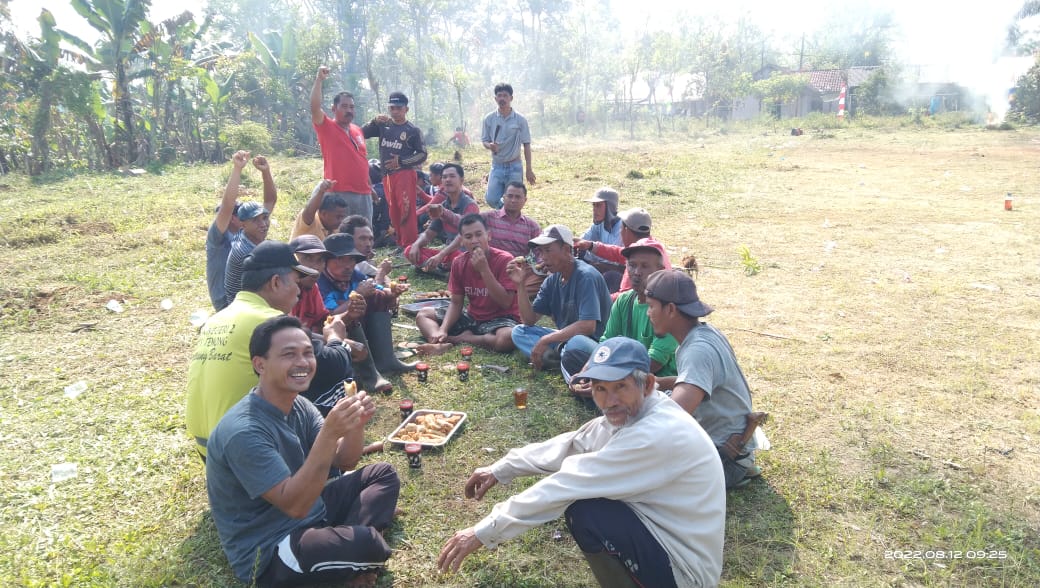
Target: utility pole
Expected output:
[801,55]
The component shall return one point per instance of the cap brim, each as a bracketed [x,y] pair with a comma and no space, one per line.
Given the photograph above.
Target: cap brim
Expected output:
[357,255]
[543,241]
[307,271]
[695,309]
[311,250]
[627,251]
[604,372]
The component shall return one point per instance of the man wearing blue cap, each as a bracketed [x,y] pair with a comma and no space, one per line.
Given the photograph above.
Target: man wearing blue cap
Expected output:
[641,487]
[227,229]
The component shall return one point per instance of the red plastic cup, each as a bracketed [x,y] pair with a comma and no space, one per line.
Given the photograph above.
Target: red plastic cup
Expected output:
[466,352]
[422,371]
[1008,200]
[463,368]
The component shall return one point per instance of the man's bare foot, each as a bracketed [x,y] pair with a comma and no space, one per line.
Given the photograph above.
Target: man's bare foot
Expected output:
[372,448]
[365,580]
[433,348]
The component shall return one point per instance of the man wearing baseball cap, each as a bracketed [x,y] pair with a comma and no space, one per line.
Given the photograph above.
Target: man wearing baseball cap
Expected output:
[640,487]
[605,228]
[256,221]
[221,372]
[402,153]
[574,294]
[628,319]
[635,226]
[226,228]
[709,384]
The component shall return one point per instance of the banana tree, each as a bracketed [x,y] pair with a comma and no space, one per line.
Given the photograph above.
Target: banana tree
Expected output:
[119,24]
[218,93]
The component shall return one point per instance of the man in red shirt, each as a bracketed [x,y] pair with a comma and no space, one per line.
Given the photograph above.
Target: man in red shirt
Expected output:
[450,197]
[635,225]
[342,148]
[480,275]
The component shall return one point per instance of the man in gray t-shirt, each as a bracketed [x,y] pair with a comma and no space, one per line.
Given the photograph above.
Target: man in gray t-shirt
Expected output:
[504,132]
[280,519]
[709,384]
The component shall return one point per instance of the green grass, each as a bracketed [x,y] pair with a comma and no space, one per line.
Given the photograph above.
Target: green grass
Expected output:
[899,363]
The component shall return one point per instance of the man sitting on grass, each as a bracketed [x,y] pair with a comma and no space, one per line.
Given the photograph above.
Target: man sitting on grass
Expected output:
[328,209]
[640,487]
[710,384]
[220,373]
[227,228]
[628,319]
[635,226]
[575,295]
[480,275]
[281,521]
[451,198]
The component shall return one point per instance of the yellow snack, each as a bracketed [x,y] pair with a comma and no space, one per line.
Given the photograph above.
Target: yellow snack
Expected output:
[355,296]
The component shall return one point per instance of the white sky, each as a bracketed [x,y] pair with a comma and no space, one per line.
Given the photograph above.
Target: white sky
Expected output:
[25,12]
[932,31]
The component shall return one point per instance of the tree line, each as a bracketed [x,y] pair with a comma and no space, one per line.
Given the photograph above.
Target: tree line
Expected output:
[194,87]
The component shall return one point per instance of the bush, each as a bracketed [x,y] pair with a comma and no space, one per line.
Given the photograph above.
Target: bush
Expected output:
[251,136]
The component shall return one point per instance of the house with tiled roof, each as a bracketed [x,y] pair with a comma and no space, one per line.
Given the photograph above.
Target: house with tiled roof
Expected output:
[820,94]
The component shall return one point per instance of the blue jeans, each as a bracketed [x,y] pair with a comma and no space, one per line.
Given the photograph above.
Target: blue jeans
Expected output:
[525,337]
[501,174]
[577,353]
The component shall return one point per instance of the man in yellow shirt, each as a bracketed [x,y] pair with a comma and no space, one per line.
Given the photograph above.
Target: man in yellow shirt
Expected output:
[221,370]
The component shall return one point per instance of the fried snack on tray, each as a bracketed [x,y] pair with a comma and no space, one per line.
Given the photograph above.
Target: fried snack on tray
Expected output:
[428,428]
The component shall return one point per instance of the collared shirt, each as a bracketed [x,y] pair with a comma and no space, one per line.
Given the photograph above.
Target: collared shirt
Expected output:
[345,156]
[221,371]
[510,132]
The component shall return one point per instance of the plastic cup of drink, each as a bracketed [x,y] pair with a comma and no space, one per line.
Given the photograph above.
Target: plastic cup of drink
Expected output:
[520,398]
[1008,202]
[466,352]
[463,368]
[406,407]
[414,452]
[422,371]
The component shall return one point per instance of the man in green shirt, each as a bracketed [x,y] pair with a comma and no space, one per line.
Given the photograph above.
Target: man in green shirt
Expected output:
[628,319]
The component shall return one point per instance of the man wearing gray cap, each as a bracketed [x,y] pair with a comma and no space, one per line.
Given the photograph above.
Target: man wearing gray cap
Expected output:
[227,229]
[256,221]
[640,487]
[605,228]
[635,226]
[574,294]
[709,384]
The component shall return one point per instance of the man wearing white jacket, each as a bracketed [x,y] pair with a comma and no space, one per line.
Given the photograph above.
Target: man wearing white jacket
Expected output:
[641,487]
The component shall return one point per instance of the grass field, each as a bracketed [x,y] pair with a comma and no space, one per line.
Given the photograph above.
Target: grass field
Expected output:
[892,330]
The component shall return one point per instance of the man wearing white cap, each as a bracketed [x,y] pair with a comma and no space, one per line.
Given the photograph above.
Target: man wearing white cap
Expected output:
[640,487]
[575,295]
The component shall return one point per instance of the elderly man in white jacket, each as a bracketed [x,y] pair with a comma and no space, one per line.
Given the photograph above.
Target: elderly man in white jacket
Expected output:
[641,487]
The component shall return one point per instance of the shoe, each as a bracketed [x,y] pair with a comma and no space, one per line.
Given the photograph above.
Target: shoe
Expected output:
[366,371]
[377,326]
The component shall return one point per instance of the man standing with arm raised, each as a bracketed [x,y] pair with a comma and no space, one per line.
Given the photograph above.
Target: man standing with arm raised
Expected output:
[504,131]
[342,150]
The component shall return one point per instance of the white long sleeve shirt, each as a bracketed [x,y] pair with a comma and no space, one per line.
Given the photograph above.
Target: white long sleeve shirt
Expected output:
[661,463]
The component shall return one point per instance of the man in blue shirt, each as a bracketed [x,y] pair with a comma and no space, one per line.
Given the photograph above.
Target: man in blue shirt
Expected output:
[280,520]
[574,294]
[504,132]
